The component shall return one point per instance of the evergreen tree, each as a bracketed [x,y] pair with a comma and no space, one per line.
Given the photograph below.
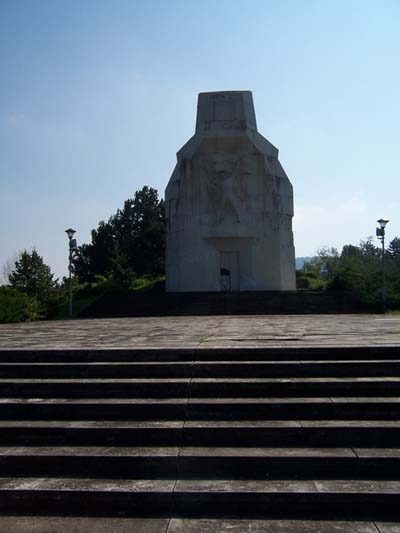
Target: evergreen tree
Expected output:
[394,249]
[132,242]
[32,276]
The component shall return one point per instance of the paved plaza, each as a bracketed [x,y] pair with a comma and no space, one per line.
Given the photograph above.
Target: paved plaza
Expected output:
[205,332]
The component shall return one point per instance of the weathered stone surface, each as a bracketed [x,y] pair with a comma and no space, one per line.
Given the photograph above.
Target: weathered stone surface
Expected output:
[81,524]
[358,486]
[88,451]
[229,205]
[238,485]
[267,452]
[205,332]
[271,526]
[53,524]
[388,527]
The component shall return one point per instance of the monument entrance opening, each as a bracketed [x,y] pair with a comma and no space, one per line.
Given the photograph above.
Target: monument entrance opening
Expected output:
[230,274]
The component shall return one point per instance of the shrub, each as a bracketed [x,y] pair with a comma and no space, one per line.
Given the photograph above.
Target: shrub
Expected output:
[16,306]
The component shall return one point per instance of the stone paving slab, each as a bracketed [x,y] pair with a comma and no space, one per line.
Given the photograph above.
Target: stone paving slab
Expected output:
[205,332]
[388,527]
[271,526]
[55,524]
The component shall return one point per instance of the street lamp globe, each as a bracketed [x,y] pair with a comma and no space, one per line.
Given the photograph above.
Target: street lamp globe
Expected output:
[70,232]
[382,222]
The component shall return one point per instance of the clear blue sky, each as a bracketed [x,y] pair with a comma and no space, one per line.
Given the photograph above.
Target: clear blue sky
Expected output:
[97,96]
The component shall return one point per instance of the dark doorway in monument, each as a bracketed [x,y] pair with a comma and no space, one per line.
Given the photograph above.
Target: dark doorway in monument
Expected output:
[229,271]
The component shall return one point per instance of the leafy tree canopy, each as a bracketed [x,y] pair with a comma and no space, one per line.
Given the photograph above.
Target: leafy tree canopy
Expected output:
[357,269]
[131,243]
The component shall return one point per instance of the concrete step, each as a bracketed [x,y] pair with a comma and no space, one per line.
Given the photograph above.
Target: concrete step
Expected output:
[200,408]
[203,433]
[200,463]
[202,369]
[179,525]
[83,524]
[318,433]
[300,498]
[276,498]
[219,433]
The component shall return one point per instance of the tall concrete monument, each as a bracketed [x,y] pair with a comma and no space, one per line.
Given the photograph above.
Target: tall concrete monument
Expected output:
[229,205]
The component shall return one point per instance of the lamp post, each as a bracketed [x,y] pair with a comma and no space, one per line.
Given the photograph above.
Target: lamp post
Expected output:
[380,233]
[72,245]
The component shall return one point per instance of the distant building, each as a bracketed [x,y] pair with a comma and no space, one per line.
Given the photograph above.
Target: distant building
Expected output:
[229,205]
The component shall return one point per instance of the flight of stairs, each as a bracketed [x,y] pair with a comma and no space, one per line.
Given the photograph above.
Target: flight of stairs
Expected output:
[307,433]
[159,303]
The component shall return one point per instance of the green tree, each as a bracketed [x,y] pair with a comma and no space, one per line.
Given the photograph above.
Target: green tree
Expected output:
[122,274]
[16,306]
[32,276]
[131,243]
[140,231]
[317,273]
[357,269]
[368,248]
[393,249]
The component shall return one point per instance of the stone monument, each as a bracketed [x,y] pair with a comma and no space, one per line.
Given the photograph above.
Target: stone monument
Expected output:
[229,205]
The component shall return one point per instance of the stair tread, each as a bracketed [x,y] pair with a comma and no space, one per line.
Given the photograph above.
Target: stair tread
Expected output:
[202,362]
[83,524]
[176,424]
[271,486]
[147,451]
[87,484]
[95,401]
[79,524]
[377,452]
[296,380]
[92,424]
[106,451]
[291,423]
[95,380]
[183,401]
[266,452]
[365,399]
[201,485]
[205,380]
[207,525]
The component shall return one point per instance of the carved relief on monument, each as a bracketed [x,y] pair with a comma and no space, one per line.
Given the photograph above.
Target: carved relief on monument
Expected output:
[226,179]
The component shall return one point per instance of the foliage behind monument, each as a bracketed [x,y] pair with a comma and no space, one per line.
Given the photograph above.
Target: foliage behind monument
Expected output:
[32,276]
[357,269]
[131,244]
[31,293]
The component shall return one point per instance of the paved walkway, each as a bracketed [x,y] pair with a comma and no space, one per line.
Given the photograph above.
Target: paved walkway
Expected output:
[205,332]
[54,524]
